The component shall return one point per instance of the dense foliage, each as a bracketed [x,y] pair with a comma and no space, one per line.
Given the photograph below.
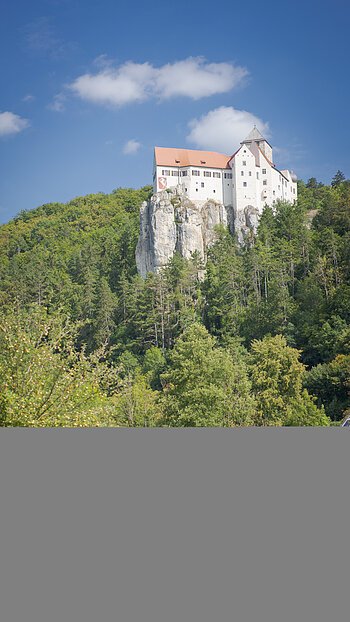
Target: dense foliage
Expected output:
[263,339]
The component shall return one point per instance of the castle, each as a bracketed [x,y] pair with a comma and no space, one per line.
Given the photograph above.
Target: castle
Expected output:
[246,179]
[195,191]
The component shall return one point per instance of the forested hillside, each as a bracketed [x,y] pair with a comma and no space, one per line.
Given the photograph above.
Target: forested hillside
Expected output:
[264,339]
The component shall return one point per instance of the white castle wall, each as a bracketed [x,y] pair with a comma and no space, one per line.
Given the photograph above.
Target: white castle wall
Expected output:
[250,181]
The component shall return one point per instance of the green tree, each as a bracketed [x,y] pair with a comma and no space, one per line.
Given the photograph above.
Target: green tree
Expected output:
[338,178]
[104,316]
[154,364]
[44,380]
[204,385]
[224,288]
[330,383]
[136,404]
[277,380]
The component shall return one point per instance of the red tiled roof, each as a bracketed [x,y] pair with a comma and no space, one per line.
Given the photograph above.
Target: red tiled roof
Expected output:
[165,156]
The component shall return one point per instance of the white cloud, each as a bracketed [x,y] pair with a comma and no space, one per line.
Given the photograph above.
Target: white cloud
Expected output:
[28,98]
[57,105]
[135,82]
[131,146]
[11,123]
[129,83]
[223,129]
[195,78]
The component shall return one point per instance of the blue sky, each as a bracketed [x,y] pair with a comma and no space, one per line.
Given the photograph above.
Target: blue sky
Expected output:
[88,88]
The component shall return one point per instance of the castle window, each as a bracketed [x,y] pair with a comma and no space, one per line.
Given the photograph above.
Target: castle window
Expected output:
[218,175]
[207,174]
[274,193]
[244,163]
[174,173]
[244,183]
[166,172]
[214,191]
[242,173]
[202,184]
[196,173]
[265,182]
[250,174]
[184,173]
[257,175]
[264,171]
[228,175]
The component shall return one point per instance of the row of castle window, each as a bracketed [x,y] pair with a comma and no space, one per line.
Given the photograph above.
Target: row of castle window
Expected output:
[257,175]
[195,173]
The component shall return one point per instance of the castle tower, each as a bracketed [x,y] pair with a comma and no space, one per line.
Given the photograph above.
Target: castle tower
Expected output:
[255,139]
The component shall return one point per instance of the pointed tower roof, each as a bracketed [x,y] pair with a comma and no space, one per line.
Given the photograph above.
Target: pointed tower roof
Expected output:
[253,136]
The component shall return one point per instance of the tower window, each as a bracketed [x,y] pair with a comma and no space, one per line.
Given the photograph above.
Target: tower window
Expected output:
[244,183]
[244,163]
[264,171]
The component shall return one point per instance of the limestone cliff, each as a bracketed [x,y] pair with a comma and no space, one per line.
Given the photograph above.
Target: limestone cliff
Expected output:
[170,222]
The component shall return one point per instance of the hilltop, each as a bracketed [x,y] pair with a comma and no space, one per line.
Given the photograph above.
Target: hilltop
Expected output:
[264,339]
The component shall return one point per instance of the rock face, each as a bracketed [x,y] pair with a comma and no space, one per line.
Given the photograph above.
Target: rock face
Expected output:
[171,223]
[246,221]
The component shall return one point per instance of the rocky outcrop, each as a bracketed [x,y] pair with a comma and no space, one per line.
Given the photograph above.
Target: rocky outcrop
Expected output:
[246,221]
[170,222]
